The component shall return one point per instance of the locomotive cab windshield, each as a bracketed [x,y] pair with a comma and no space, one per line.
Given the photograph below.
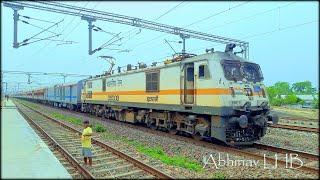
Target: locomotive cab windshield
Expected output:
[237,71]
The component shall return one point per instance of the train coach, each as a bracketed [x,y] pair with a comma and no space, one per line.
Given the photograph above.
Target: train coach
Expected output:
[65,95]
[60,95]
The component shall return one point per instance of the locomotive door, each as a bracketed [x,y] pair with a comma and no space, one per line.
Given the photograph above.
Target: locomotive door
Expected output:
[188,84]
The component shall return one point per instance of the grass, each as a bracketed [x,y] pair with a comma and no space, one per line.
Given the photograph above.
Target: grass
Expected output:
[70,119]
[308,113]
[33,105]
[99,128]
[159,154]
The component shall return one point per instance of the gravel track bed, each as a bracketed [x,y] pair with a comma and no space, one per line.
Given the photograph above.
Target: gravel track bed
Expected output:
[297,140]
[190,150]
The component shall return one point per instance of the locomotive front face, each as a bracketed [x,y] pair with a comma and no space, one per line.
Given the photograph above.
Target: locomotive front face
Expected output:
[246,108]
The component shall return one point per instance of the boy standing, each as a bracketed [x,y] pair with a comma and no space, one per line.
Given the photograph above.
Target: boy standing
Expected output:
[86,143]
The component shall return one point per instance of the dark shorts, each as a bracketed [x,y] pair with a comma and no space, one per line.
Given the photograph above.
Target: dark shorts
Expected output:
[87,152]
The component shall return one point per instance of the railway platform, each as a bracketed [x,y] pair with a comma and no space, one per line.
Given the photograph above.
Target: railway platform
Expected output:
[24,154]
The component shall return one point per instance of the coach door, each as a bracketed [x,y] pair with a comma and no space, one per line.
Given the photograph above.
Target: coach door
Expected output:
[70,93]
[188,84]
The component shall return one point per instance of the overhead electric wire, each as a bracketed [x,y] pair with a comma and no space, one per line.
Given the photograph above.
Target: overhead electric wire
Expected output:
[173,8]
[251,16]
[28,17]
[100,29]
[27,43]
[281,29]
[28,23]
[195,22]
[218,13]
[58,40]
[64,28]
[26,40]
[265,33]
[80,20]
[168,11]
[43,73]
[106,43]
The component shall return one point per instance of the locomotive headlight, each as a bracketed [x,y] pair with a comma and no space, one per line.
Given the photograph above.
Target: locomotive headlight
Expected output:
[243,121]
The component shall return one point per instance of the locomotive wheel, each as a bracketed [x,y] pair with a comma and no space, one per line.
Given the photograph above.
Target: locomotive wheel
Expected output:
[197,137]
[151,125]
[173,132]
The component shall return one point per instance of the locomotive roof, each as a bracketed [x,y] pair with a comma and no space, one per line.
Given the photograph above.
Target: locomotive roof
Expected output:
[214,56]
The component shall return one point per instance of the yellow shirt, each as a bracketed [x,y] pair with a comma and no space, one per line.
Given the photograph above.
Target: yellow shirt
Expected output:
[86,137]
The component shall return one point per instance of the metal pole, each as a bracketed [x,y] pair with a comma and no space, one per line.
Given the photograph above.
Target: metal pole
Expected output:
[184,45]
[90,36]
[28,78]
[90,26]
[15,28]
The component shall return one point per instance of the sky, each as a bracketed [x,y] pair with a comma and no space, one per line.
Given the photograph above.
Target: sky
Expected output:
[283,38]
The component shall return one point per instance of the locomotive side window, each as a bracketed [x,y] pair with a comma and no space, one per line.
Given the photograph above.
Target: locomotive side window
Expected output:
[190,74]
[201,71]
[89,94]
[152,82]
[103,84]
[89,84]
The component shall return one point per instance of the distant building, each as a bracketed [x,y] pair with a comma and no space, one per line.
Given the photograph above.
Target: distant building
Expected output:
[307,99]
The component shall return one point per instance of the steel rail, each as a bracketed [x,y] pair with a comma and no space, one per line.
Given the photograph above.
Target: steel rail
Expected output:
[298,128]
[297,118]
[134,161]
[284,150]
[65,153]
[221,147]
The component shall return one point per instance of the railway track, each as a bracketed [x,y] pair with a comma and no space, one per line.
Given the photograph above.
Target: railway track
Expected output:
[256,151]
[72,169]
[298,118]
[107,161]
[297,128]
[286,151]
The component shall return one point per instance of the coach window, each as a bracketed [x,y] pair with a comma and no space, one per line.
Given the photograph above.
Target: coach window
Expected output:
[152,82]
[103,84]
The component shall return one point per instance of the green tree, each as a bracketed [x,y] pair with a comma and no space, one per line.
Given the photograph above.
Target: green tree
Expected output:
[272,92]
[291,99]
[315,103]
[282,88]
[304,87]
[276,102]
